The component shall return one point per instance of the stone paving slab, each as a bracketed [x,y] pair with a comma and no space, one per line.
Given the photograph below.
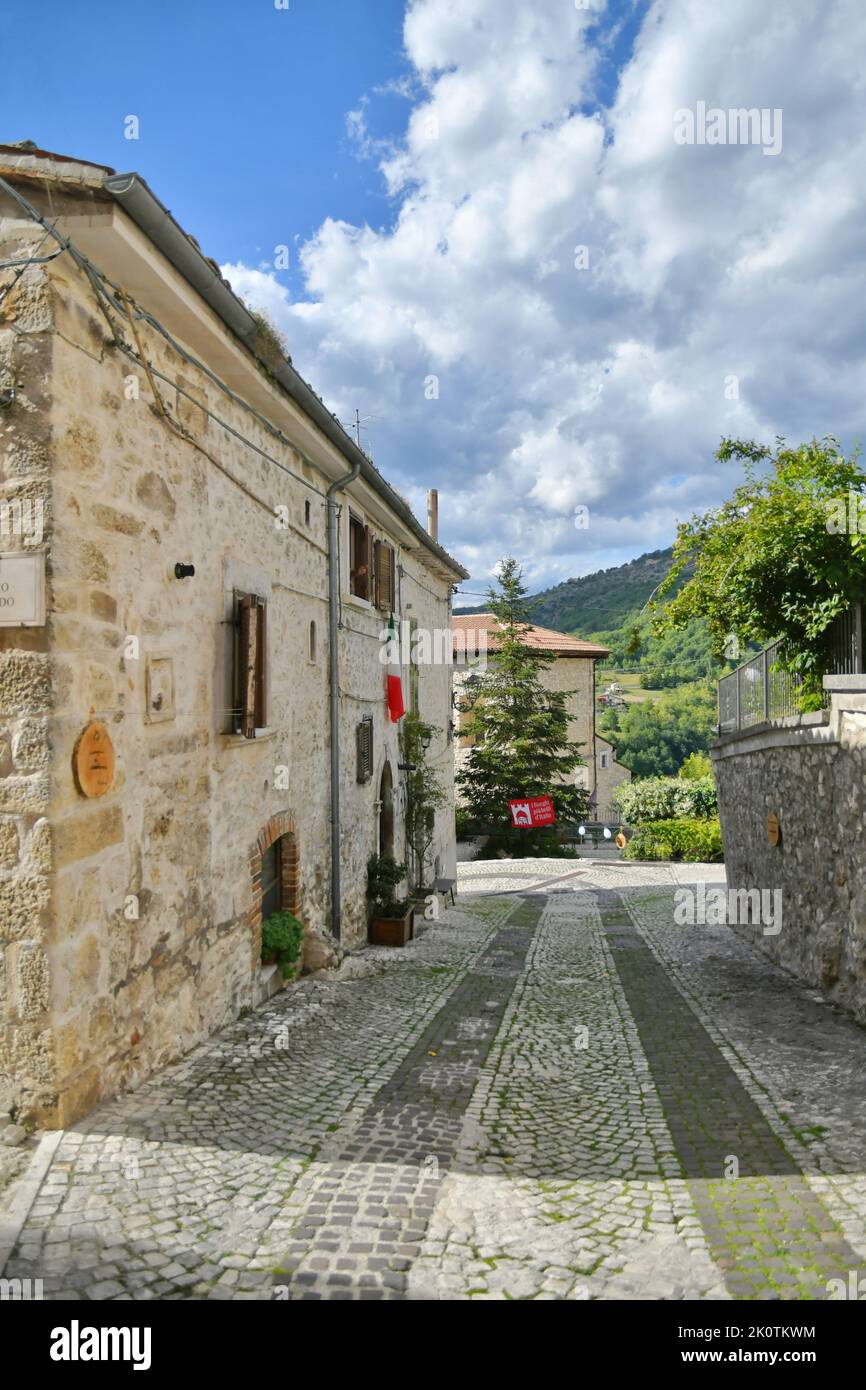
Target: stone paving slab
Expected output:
[529,1101]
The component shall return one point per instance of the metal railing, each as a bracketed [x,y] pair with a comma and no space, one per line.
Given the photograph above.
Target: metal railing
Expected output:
[755,694]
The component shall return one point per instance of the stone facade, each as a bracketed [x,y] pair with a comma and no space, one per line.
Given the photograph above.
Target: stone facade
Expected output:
[130,921]
[808,772]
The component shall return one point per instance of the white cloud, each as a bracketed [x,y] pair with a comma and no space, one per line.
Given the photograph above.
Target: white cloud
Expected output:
[600,386]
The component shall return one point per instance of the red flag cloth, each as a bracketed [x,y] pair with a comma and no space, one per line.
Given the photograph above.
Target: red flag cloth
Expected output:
[396,708]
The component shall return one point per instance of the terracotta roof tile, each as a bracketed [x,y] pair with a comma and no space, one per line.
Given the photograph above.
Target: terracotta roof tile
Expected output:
[543,638]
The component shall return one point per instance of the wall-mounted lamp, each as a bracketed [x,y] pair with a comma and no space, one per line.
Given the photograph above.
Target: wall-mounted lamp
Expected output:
[184,571]
[471,689]
[7,396]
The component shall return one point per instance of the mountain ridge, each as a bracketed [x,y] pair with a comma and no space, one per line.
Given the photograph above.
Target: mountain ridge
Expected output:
[599,601]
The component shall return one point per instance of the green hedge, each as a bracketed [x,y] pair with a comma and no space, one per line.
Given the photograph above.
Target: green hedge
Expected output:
[697,841]
[666,798]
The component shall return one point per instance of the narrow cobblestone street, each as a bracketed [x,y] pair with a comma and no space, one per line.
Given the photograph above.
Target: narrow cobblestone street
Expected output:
[544,1096]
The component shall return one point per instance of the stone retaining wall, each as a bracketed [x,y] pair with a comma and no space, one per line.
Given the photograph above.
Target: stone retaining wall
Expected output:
[808,772]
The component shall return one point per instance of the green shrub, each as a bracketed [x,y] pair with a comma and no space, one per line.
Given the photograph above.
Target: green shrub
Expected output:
[696,841]
[383,876]
[465,824]
[282,935]
[666,798]
[696,767]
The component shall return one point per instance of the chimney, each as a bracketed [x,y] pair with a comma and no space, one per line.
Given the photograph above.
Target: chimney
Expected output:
[433,514]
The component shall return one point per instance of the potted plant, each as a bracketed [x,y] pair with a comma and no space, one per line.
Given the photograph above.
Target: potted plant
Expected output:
[282,936]
[391,922]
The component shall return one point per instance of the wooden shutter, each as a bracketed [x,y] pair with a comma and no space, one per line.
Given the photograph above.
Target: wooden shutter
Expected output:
[377,559]
[384,576]
[364,735]
[368,552]
[261,702]
[247,664]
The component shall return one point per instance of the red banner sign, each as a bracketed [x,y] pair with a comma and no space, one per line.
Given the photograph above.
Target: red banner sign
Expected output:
[537,810]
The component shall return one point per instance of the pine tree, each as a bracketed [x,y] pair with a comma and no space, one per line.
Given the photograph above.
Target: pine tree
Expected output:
[520,728]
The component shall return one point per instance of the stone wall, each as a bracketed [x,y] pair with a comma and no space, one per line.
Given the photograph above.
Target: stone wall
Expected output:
[809,773]
[26,699]
[130,922]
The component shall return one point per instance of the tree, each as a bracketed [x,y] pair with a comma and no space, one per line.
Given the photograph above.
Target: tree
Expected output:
[779,560]
[652,738]
[521,745]
[424,791]
[696,767]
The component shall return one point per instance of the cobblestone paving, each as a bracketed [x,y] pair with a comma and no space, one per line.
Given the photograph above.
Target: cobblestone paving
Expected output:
[536,1099]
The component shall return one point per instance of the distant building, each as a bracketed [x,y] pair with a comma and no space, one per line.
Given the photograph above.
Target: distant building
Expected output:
[475,636]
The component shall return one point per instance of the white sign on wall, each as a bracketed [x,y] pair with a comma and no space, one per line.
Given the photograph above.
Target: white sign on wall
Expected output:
[22,590]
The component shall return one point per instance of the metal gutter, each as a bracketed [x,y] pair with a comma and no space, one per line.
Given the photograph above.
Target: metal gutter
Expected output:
[334,692]
[132,193]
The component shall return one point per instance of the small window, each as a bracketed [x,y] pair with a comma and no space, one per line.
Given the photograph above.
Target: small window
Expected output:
[312,641]
[360,559]
[365,749]
[272,897]
[307,514]
[604,760]
[250,665]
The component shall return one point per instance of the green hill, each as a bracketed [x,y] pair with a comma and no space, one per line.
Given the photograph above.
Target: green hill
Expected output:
[604,600]
[601,601]
[606,607]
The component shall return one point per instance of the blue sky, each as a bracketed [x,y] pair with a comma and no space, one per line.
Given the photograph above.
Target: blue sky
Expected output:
[242,107]
[434,166]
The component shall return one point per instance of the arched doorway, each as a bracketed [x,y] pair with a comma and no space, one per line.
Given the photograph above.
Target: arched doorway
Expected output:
[386,811]
[275,872]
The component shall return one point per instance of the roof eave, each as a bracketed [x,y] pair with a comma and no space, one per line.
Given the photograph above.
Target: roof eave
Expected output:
[141,204]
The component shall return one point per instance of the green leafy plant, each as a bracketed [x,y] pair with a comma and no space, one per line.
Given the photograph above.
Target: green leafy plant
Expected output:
[696,841]
[282,937]
[384,875]
[774,561]
[464,824]
[666,798]
[425,793]
[696,767]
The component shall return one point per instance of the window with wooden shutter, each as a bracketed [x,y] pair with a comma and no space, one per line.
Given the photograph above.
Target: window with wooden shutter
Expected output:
[360,559]
[250,675]
[364,736]
[385,576]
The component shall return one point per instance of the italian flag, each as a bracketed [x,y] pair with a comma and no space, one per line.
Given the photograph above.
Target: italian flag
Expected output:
[394,696]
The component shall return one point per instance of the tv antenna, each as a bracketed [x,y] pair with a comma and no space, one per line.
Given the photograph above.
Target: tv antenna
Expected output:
[357,423]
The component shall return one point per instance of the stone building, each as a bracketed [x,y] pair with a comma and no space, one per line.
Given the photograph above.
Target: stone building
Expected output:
[196,567]
[573,670]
